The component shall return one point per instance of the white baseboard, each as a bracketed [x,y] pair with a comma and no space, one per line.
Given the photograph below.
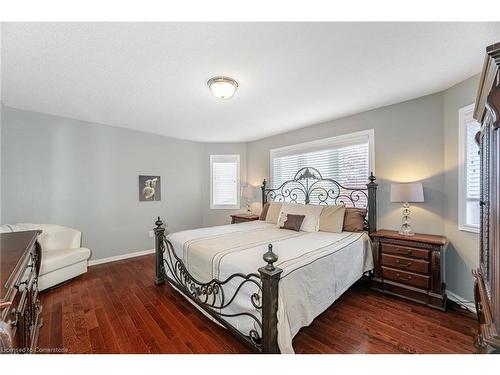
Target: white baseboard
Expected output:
[120,257]
[471,306]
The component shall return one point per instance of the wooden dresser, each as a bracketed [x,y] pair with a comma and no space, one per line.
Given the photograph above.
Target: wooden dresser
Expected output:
[487,284]
[409,267]
[20,309]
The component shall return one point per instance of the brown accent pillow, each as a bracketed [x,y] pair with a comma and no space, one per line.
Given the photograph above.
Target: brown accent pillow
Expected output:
[293,222]
[263,213]
[354,219]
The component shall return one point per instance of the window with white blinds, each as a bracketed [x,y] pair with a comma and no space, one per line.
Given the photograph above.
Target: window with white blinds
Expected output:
[347,159]
[468,200]
[225,181]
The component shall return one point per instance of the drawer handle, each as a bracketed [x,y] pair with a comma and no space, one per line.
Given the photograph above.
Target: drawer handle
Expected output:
[403,278]
[408,251]
[403,264]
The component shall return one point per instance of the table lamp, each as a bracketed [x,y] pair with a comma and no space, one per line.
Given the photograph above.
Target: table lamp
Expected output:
[248,193]
[407,193]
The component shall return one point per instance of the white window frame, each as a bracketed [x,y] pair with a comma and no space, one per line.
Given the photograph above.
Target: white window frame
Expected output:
[463,113]
[235,158]
[325,143]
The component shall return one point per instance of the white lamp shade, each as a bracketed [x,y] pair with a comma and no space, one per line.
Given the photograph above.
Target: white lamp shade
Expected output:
[412,192]
[248,192]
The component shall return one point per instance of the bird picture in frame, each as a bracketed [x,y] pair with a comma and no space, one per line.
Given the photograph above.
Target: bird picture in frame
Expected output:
[149,188]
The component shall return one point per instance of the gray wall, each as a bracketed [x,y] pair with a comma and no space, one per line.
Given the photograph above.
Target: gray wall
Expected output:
[83,175]
[462,254]
[408,147]
[1,109]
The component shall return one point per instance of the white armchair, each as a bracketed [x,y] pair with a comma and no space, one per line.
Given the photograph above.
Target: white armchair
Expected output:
[63,258]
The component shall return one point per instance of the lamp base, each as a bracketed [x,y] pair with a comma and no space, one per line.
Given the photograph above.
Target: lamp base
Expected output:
[405,229]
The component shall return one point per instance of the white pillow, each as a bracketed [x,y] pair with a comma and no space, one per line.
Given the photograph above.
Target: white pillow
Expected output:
[311,213]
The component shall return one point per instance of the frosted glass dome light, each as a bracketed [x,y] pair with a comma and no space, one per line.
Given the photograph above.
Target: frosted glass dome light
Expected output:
[222,87]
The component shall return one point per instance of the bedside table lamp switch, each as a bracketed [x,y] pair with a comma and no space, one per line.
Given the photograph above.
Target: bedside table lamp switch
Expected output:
[407,193]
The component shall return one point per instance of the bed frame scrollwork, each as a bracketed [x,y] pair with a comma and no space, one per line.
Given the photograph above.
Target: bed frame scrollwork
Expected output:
[309,185]
[216,296]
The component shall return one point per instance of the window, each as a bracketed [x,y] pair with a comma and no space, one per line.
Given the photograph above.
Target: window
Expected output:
[348,159]
[225,181]
[468,170]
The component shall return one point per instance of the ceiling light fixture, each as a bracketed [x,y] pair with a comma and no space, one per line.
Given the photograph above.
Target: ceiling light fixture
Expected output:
[222,87]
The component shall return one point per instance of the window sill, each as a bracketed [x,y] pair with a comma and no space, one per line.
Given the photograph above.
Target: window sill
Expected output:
[237,207]
[468,228]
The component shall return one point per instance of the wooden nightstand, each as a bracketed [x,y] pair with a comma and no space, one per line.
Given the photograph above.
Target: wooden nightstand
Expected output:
[243,217]
[409,267]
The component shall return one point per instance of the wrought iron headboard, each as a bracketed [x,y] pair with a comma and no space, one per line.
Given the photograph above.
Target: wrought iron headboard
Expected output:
[308,183]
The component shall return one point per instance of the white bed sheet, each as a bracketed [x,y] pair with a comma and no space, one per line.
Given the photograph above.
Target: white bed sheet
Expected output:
[317,268]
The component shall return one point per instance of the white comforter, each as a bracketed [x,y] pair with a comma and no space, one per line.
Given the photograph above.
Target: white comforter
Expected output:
[317,268]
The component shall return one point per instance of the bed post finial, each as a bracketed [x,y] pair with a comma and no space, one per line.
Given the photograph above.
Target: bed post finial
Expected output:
[270,276]
[158,222]
[159,238]
[270,258]
[372,203]
[263,187]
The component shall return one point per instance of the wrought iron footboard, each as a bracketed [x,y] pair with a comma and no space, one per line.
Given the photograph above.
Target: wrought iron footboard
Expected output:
[214,299]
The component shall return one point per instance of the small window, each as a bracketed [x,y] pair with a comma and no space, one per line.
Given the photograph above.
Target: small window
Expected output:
[468,170]
[225,181]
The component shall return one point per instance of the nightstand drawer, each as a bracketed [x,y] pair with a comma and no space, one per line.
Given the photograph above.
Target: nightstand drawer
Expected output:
[408,278]
[407,264]
[243,218]
[406,251]
[238,220]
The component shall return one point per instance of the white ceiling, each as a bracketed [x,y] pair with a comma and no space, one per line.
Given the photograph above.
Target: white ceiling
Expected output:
[152,76]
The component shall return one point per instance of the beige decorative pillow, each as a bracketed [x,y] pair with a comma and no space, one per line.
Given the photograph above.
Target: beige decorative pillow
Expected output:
[273,212]
[332,219]
[311,213]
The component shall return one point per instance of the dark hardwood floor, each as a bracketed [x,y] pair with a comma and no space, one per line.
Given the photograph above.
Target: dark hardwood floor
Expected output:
[116,308]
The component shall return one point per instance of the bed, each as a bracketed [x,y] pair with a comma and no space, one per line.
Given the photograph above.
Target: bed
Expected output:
[264,283]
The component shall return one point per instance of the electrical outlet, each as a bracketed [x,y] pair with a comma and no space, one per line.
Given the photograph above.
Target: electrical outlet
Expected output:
[151,234]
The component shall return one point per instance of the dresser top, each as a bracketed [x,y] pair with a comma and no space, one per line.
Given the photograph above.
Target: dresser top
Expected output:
[13,249]
[418,237]
[245,215]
